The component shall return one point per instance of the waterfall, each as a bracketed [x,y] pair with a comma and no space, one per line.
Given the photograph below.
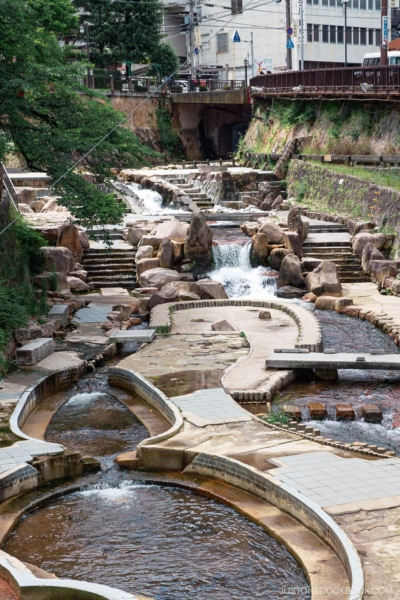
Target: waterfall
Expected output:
[151,202]
[232,268]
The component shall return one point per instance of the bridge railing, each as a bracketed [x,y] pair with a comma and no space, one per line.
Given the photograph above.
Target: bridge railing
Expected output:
[380,78]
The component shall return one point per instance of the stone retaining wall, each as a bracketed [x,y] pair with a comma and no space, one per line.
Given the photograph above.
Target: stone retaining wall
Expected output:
[139,385]
[350,196]
[290,501]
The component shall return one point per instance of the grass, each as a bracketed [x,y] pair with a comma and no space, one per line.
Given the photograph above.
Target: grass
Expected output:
[390,179]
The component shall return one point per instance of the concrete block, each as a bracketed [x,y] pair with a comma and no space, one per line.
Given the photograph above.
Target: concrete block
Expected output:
[140,335]
[35,351]
[344,412]
[293,410]
[371,413]
[317,410]
[59,312]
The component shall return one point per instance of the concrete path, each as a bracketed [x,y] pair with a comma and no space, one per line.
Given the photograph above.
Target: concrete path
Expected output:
[210,407]
[338,360]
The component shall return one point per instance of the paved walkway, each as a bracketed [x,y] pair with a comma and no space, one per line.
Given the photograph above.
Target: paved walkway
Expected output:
[210,407]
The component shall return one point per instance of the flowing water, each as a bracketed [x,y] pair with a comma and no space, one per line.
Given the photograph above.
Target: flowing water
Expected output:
[164,543]
[355,387]
[151,201]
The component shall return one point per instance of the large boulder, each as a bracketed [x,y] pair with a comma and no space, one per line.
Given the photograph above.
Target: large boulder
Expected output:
[158,277]
[289,292]
[68,237]
[37,205]
[383,268]
[25,208]
[77,285]
[180,286]
[260,248]
[134,235]
[84,239]
[166,254]
[293,242]
[208,289]
[59,259]
[370,253]
[273,233]
[378,240]
[250,228]
[222,325]
[173,230]
[276,257]
[198,243]
[144,252]
[146,264]
[167,294]
[151,240]
[290,273]
[324,280]
[296,223]
[43,279]
[309,263]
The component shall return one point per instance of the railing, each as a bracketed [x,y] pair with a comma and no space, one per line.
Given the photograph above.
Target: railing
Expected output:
[360,79]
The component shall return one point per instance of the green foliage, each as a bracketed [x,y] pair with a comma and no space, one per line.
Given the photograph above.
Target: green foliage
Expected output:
[46,118]
[121,31]
[57,16]
[386,178]
[277,417]
[53,280]
[170,140]
[300,188]
[164,60]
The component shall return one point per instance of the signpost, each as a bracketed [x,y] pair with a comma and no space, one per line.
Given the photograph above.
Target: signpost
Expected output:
[236,37]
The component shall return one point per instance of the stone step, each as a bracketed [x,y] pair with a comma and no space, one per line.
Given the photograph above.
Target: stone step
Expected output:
[328,244]
[110,273]
[326,230]
[115,283]
[316,250]
[93,262]
[112,279]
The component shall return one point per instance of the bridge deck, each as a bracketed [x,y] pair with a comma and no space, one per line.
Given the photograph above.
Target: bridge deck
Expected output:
[340,360]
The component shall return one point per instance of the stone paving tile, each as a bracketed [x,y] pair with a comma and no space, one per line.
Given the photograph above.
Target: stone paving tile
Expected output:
[93,314]
[212,406]
[334,481]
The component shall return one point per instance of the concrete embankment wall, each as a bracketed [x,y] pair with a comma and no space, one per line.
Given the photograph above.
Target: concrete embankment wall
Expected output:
[346,195]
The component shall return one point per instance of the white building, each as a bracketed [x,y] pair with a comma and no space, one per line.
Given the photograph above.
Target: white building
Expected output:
[265,22]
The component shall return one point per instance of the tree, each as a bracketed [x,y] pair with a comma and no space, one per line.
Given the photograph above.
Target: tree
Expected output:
[57,16]
[45,115]
[164,59]
[120,31]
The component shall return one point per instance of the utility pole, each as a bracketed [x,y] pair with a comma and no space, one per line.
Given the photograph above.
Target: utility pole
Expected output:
[252,54]
[288,24]
[301,35]
[190,41]
[87,51]
[384,32]
[344,2]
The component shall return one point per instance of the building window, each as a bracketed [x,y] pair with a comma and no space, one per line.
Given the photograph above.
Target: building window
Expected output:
[377,4]
[332,34]
[324,2]
[355,4]
[370,37]
[236,7]
[356,36]
[363,36]
[370,4]
[316,33]
[309,1]
[325,34]
[340,34]
[377,37]
[222,42]
[348,35]
[363,4]
[316,2]
[309,32]
[332,2]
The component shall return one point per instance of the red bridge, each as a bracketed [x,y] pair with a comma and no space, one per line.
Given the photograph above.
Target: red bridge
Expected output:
[352,82]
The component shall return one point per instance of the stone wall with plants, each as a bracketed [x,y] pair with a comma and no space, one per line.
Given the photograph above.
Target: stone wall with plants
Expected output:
[321,189]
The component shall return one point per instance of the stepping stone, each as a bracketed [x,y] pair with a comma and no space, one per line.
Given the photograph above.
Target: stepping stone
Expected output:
[35,351]
[59,312]
[140,335]
[293,411]
[344,412]
[317,410]
[371,413]
[116,291]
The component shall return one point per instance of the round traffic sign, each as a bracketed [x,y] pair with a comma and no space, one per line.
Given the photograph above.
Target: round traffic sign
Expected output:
[289,30]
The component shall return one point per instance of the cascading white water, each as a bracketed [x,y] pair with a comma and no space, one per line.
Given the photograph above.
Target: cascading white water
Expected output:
[232,268]
[152,202]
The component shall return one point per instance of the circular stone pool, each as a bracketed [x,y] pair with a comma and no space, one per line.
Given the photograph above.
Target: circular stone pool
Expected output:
[165,543]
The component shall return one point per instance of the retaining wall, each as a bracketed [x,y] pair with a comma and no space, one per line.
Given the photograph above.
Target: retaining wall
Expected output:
[290,501]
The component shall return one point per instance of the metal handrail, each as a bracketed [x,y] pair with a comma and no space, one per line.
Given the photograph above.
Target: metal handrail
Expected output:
[11,191]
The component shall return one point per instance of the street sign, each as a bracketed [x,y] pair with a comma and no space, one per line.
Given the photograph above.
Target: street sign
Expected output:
[289,45]
[196,51]
[236,37]
[384,32]
[289,30]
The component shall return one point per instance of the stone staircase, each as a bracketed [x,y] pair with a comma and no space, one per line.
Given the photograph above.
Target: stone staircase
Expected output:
[334,245]
[111,267]
[195,194]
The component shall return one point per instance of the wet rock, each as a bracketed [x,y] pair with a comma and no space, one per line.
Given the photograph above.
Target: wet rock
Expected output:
[344,412]
[324,280]
[222,325]
[317,410]
[173,230]
[124,310]
[198,243]
[146,264]
[290,273]
[167,294]
[60,260]
[276,257]
[371,413]
[309,264]
[209,290]
[77,285]
[166,254]
[293,242]
[264,315]
[158,277]
[289,292]
[378,240]
[250,228]
[134,235]
[144,252]
[188,296]
[273,232]
[260,248]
